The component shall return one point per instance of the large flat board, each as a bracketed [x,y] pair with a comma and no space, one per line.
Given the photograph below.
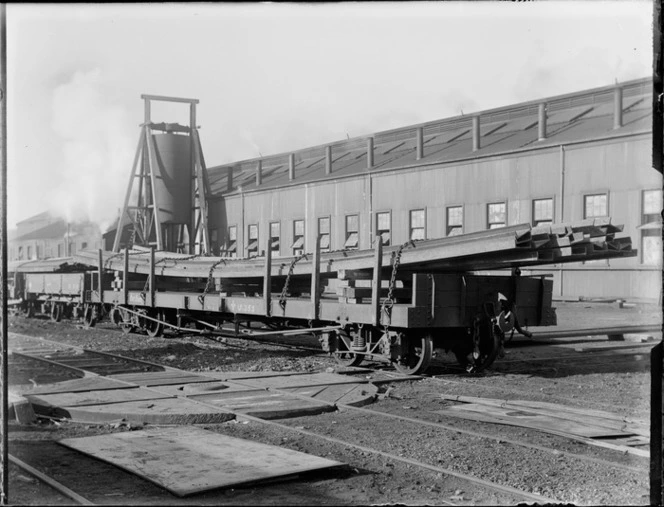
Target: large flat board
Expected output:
[188,460]
[517,417]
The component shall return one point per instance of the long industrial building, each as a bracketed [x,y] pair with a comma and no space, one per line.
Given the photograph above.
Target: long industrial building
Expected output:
[583,155]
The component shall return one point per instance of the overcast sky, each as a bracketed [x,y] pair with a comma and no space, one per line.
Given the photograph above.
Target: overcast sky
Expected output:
[277,77]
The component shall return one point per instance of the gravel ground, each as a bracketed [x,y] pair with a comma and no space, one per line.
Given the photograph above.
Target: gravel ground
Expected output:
[554,373]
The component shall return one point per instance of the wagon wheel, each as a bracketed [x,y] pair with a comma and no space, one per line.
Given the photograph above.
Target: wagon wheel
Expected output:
[29,310]
[152,328]
[124,320]
[89,316]
[490,339]
[116,316]
[127,327]
[56,312]
[416,355]
[343,355]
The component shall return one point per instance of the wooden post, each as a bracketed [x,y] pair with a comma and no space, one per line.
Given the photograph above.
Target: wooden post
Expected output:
[125,272]
[100,271]
[4,328]
[152,279]
[375,282]
[267,277]
[656,419]
[139,151]
[315,278]
[152,161]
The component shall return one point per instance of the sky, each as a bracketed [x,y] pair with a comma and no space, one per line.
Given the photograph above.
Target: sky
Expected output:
[277,77]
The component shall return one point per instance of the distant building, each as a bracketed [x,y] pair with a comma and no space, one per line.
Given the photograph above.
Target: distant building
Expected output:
[45,236]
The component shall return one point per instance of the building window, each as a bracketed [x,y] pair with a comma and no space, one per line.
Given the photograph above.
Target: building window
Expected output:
[417,224]
[595,206]
[214,245]
[231,242]
[20,253]
[454,220]
[651,227]
[84,245]
[542,212]
[352,232]
[497,215]
[72,248]
[29,252]
[324,233]
[252,246]
[59,250]
[384,226]
[298,237]
[275,236]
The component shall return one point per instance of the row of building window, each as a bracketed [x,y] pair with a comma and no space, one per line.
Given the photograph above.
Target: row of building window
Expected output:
[28,253]
[595,205]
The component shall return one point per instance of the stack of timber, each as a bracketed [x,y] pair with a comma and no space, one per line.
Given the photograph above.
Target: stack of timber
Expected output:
[506,247]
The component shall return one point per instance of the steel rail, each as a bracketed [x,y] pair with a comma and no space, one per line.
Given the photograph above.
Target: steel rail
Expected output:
[50,481]
[498,487]
[595,331]
[460,430]
[287,332]
[413,421]
[470,478]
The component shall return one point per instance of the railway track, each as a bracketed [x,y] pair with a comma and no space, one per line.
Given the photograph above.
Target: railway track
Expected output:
[421,423]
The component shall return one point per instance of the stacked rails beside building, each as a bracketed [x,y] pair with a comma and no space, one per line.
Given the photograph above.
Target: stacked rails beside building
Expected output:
[560,159]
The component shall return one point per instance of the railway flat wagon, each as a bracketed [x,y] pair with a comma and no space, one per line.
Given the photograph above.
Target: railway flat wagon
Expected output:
[395,303]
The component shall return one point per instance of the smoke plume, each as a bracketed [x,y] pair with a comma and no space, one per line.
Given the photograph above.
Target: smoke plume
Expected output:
[97,151]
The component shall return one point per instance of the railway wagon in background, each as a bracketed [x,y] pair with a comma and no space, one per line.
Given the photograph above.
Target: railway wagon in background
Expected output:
[52,287]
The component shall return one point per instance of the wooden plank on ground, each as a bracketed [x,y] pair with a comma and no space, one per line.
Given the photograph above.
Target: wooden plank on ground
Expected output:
[158,411]
[582,415]
[160,378]
[189,460]
[527,419]
[81,399]
[262,403]
[312,379]
[356,395]
[77,385]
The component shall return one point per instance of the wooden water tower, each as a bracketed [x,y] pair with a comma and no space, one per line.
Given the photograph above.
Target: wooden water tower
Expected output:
[168,208]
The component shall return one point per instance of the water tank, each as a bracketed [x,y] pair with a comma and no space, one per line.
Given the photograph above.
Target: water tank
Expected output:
[173,178]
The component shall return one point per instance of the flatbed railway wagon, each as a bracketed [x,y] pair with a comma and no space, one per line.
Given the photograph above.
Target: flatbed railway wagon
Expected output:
[395,304]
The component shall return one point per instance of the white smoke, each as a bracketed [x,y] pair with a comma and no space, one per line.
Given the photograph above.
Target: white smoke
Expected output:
[97,151]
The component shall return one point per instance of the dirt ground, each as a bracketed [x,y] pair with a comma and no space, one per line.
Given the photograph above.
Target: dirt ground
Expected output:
[557,372]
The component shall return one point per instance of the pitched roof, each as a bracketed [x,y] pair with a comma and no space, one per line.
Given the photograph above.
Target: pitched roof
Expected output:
[55,230]
[585,115]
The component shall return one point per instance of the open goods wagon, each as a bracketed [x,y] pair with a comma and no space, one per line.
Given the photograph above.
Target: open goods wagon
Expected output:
[52,287]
